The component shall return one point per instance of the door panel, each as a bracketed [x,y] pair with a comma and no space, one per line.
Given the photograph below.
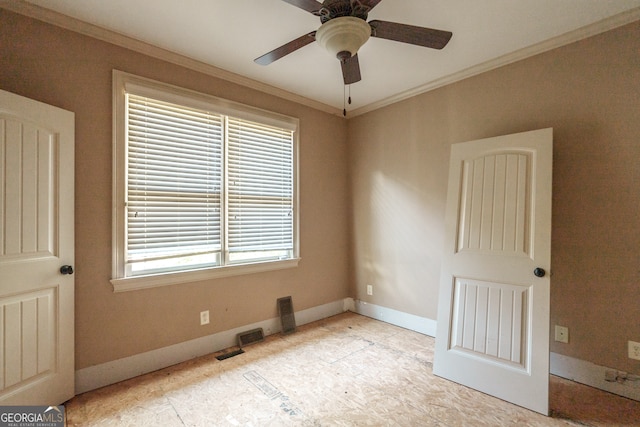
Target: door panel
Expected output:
[493,312]
[36,230]
[29,326]
[495,211]
[489,321]
[28,184]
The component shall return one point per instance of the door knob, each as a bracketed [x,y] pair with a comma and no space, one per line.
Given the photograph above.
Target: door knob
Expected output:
[539,272]
[66,269]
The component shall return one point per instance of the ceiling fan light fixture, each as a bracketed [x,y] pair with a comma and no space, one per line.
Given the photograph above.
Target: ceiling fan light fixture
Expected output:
[343,34]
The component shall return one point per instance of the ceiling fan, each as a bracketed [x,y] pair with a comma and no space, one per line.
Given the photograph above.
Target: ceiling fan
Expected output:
[345,29]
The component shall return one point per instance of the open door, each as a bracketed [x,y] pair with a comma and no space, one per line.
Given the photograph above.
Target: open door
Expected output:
[493,311]
[36,252]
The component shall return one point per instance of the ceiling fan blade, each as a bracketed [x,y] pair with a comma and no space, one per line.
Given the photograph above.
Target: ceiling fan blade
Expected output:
[286,49]
[351,70]
[309,5]
[427,37]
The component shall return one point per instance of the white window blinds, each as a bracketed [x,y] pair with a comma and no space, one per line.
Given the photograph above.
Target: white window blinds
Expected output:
[204,189]
[260,191]
[174,180]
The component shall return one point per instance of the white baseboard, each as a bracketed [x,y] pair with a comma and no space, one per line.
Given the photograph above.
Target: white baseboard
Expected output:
[563,366]
[112,372]
[404,320]
[97,376]
[594,375]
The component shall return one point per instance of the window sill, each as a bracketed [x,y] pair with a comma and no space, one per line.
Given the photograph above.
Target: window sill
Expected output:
[166,279]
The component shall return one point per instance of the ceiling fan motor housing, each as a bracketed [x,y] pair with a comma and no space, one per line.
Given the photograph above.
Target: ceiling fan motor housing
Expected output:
[343,34]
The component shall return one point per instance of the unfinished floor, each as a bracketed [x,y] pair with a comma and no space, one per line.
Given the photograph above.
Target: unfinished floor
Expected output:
[348,370]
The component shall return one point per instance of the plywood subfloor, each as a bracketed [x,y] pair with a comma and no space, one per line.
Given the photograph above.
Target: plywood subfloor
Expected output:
[347,370]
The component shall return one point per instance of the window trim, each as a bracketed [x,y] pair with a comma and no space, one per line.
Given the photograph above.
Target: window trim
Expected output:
[123,82]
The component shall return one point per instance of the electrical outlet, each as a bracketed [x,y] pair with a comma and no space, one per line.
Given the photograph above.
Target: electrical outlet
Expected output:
[562,334]
[204,317]
[369,289]
[634,350]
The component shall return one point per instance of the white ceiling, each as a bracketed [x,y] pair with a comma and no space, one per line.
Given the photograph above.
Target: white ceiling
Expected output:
[229,34]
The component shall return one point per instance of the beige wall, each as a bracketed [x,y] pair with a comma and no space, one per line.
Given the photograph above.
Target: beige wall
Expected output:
[71,71]
[589,92]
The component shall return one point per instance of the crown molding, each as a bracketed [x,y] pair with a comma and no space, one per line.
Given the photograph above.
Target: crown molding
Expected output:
[547,45]
[94,31]
[63,21]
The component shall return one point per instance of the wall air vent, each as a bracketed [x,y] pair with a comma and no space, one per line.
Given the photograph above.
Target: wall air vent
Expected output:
[250,337]
[287,317]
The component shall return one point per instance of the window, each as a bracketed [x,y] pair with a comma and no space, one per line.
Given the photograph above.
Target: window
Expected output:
[203,187]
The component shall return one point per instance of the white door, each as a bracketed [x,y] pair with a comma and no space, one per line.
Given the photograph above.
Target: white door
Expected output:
[493,312]
[36,240]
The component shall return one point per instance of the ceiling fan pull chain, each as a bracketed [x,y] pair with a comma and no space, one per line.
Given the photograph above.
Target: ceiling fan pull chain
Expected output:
[344,96]
[344,104]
